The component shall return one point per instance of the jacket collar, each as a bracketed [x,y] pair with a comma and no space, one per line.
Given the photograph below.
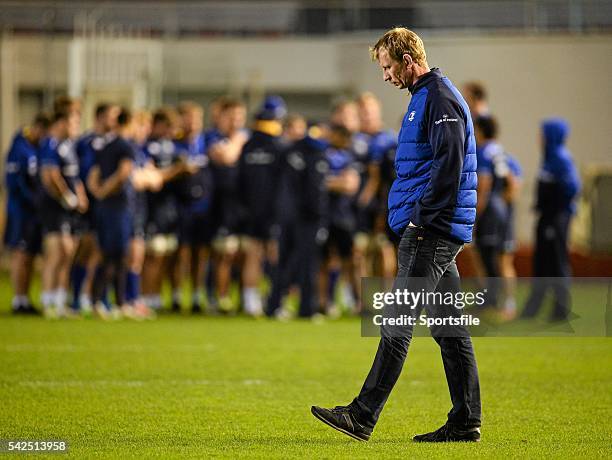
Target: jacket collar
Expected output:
[425,79]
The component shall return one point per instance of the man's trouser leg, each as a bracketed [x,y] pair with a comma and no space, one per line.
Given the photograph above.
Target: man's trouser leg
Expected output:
[423,260]
[307,252]
[457,356]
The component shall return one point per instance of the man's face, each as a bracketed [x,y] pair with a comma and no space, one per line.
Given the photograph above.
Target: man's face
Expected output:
[37,133]
[232,119]
[397,73]
[73,124]
[162,130]
[141,129]
[108,120]
[369,115]
[347,116]
[295,130]
[193,121]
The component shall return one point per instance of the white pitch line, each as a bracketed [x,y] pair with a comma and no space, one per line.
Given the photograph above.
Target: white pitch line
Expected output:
[68,348]
[131,383]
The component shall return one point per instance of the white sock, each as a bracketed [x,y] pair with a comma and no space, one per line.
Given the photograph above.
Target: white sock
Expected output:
[252,300]
[61,297]
[176,296]
[85,302]
[47,299]
[155,301]
[348,296]
[510,304]
[197,296]
[20,301]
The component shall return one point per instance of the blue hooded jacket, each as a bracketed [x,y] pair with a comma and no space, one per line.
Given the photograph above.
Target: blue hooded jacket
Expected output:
[435,162]
[558,181]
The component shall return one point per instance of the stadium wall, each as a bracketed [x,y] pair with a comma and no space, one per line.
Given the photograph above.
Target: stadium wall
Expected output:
[528,77]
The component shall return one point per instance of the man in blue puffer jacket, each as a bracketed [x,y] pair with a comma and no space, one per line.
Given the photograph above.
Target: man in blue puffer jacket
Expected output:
[432,205]
[558,186]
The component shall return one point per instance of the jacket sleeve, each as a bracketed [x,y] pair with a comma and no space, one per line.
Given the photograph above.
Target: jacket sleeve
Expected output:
[446,134]
[316,197]
[570,180]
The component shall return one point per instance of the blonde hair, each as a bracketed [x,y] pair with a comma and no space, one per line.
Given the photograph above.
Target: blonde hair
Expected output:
[186,107]
[399,41]
[366,97]
[142,117]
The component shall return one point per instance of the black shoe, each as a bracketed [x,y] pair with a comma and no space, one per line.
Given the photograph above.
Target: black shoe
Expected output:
[196,309]
[342,419]
[31,310]
[450,433]
[20,310]
[176,308]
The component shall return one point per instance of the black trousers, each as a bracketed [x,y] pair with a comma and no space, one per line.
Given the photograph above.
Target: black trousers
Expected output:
[551,266]
[425,259]
[489,255]
[298,258]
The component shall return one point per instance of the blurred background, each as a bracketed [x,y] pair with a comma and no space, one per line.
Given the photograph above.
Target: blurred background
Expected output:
[535,58]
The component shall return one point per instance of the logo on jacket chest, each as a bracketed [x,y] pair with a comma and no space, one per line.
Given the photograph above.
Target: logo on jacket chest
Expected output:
[411,116]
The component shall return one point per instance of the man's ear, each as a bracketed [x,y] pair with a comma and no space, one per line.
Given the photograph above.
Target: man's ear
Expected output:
[407,59]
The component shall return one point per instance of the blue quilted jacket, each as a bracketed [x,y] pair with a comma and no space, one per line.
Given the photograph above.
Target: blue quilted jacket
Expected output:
[435,162]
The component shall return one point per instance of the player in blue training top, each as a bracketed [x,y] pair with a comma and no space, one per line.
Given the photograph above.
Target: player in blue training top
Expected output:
[374,253]
[342,184]
[88,254]
[145,177]
[162,213]
[258,184]
[557,189]
[194,194]
[224,146]
[498,189]
[22,234]
[345,114]
[63,197]
[109,183]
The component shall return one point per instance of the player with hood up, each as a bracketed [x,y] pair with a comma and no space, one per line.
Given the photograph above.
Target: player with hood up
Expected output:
[558,186]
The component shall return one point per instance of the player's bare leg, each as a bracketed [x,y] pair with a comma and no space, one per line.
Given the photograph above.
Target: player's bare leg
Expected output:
[21,274]
[508,274]
[251,277]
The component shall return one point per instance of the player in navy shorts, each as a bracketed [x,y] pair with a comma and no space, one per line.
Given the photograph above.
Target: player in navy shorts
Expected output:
[259,173]
[342,184]
[194,194]
[145,177]
[109,182]
[88,254]
[162,212]
[498,187]
[62,198]
[373,252]
[23,233]
[224,146]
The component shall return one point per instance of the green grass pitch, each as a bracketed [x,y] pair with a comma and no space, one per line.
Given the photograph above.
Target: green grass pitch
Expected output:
[240,388]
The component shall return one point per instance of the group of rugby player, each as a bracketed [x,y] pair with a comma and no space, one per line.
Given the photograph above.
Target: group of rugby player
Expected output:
[144,198]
